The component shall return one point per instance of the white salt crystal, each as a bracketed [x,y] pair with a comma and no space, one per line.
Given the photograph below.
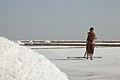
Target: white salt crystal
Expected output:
[20,63]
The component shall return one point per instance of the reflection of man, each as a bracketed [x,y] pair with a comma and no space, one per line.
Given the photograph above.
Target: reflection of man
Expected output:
[90,43]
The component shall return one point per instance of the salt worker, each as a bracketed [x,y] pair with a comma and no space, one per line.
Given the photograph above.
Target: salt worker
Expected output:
[90,43]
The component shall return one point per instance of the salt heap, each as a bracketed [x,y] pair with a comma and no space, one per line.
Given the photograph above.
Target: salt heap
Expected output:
[20,63]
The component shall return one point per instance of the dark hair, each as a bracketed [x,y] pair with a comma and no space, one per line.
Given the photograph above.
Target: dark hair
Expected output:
[91,29]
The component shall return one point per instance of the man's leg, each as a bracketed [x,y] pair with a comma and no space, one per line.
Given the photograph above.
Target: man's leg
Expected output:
[91,57]
[92,48]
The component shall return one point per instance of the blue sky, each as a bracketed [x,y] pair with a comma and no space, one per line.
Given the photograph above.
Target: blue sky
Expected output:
[59,19]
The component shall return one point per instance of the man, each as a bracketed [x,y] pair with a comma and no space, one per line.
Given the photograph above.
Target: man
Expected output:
[90,43]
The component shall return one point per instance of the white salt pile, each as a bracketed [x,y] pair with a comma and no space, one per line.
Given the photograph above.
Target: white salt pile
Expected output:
[20,63]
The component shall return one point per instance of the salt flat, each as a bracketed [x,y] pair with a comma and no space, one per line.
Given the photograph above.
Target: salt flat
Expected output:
[105,68]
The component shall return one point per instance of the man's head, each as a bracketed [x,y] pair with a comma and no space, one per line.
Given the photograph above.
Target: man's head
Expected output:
[91,29]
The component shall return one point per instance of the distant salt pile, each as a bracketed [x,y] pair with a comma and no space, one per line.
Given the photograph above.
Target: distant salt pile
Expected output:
[21,63]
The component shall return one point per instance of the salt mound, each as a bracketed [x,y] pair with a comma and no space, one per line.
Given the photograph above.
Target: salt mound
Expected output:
[20,63]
